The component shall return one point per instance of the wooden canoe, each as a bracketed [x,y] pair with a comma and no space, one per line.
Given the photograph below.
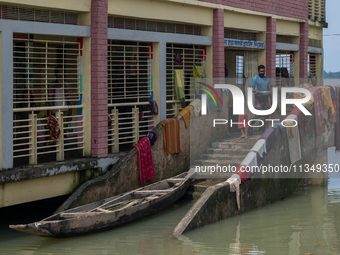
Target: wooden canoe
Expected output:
[111,212]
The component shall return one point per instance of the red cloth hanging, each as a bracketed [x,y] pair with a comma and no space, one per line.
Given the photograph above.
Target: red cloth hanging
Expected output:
[144,160]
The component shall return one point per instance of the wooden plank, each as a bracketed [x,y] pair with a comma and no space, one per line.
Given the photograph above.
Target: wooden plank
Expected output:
[73,215]
[152,191]
[123,195]
[176,179]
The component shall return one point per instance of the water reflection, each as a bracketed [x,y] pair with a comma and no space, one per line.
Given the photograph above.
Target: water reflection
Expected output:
[306,222]
[303,223]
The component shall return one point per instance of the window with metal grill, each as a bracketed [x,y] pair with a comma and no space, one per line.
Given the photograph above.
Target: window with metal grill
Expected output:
[183,57]
[153,26]
[130,87]
[284,69]
[46,81]
[284,39]
[41,68]
[314,43]
[39,15]
[311,65]
[129,72]
[316,10]
[240,35]
[239,69]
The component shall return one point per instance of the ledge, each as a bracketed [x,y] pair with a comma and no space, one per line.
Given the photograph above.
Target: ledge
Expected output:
[30,172]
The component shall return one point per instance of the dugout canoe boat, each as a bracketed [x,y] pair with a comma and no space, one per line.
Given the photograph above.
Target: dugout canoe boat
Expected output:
[111,212]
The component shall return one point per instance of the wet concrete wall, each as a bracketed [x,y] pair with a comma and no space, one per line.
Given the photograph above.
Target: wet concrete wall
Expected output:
[124,175]
[218,203]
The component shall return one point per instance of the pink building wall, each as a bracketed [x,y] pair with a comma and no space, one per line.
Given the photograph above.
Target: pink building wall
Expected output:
[290,8]
[271,48]
[218,43]
[297,9]
[99,93]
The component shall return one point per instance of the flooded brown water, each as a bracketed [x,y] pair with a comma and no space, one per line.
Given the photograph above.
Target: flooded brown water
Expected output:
[307,222]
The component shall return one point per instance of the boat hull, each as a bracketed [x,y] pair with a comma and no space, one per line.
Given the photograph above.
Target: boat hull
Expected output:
[58,226]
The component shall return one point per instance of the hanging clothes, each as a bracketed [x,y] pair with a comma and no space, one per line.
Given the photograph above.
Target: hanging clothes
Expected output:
[309,105]
[319,124]
[152,137]
[260,147]
[171,136]
[179,85]
[290,131]
[185,113]
[327,99]
[235,187]
[302,120]
[282,128]
[153,106]
[293,142]
[243,172]
[214,105]
[196,104]
[144,160]
[270,136]
[332,117]
[178,59]
[53,126]
[198,72]
[333,95]
[250,161]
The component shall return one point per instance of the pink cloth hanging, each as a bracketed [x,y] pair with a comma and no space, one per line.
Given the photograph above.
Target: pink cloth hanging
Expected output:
[144,160]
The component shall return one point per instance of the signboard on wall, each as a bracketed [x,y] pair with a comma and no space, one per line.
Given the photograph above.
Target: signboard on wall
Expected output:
[244,43]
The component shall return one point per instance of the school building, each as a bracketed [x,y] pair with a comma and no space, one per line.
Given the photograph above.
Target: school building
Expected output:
[95,65]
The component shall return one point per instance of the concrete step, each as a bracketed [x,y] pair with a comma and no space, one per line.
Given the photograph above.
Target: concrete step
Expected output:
[197,189]
[192,195]
[228,151]
[223,157]
[232,145]
[210,162]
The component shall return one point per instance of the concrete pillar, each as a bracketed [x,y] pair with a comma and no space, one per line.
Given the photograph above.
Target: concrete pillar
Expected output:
[159,77]
[271,48]
[319,178]
[99,93]
[84,19]
[218,43]
[6,40]
[303,50]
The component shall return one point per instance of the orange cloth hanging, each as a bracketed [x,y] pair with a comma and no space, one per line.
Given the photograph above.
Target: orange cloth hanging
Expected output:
[171,136]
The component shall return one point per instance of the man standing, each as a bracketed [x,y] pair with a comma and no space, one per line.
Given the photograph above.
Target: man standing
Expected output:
[260,83]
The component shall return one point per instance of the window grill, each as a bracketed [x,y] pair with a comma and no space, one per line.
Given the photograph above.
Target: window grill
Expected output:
[46,81]
[239,69]
[190,55]
[284,68]
[240,35]
[39,15]
[284,39]
[316,10]
[130,86]
[314,43]
[311,65]
[146,25]
[129,72]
